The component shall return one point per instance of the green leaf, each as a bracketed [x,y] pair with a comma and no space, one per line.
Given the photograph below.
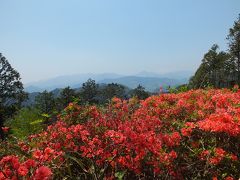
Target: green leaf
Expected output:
[78,161]
[45,115]
[36,122]
[119,175]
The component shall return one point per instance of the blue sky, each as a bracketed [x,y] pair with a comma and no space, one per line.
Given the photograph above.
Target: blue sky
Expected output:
[48,38]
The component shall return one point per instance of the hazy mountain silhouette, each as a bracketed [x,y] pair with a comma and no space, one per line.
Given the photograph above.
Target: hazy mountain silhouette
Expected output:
[67,80]
[149,80]
[150,83]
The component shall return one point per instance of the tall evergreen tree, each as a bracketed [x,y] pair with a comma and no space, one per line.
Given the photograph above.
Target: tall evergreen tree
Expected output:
[45,102]
[220,69]
[139,92]
[112,90]
[89,92]
[212,70]
[67,95]
[234,48]
[11,91]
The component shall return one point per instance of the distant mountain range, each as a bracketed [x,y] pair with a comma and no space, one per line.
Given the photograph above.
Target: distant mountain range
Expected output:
[151,81]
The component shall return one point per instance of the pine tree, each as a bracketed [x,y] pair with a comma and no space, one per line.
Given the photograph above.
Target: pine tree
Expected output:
[11,91]
[234,48]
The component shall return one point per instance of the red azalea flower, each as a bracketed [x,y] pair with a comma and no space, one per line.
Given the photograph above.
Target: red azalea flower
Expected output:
[43,173]
[186,132]
[215,160]
[48,151]
[5,129]
[234,157]
[228,178]
[22,170]
[220,152]
[30,163]
[2,176]
[37,154]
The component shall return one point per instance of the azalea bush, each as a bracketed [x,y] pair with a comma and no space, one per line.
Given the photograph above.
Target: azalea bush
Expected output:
[189,135]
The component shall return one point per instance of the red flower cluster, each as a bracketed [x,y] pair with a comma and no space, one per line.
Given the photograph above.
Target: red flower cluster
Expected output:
[189,134]
[12,168]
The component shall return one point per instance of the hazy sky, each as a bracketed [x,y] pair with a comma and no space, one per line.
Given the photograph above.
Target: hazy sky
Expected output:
[47,38]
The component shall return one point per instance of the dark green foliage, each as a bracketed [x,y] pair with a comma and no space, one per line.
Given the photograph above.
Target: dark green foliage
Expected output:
[139,92]
[11,90]
[179,89]
[182,88]
[220,69]
[234,47]
[89,92]
[45,102]
[112,90]
[67,95]
[212,71]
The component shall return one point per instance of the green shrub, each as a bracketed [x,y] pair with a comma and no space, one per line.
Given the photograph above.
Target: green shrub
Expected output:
[27,121]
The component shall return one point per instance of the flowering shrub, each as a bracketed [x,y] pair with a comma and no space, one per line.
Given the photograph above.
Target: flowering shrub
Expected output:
[194,134]
[12,168]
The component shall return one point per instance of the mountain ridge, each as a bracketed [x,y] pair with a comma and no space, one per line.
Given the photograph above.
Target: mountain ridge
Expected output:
[147,79]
